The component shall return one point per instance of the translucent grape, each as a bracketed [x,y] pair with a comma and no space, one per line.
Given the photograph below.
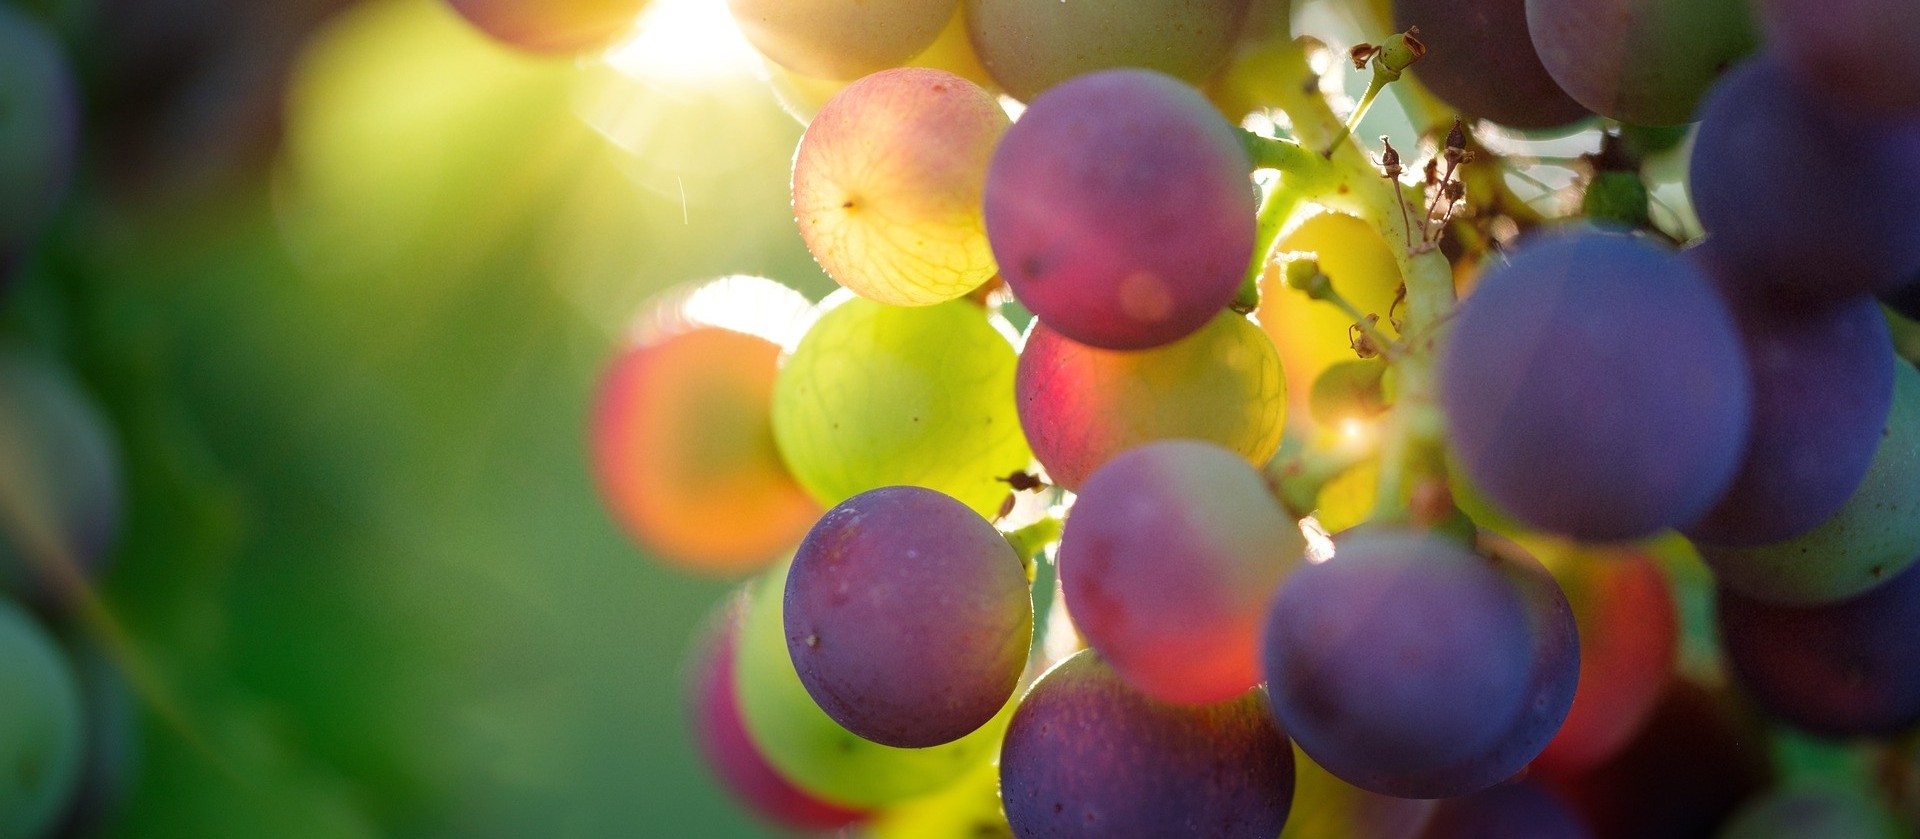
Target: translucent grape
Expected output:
[1804,199]
[808,747]
[1564,413]
[1519,810]
[908,617]
[1410,666]
[552,26]
[1313,335]
[1120,211]
[1815,808]
[887,185]
[43,742]
[1080,406]
[802,96]
[1874,536]
[1088,756]
[1862,52]
[39,131]
[1032,45]
[721,735]
[1480,59]
[1641,61]
[969,809]
[1629,640]
[840,39]
[59,477]
[1168,560]
[1843,669]
[878,395]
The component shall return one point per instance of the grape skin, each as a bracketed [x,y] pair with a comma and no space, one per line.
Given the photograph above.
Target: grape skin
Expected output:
[1081,406]
[1168,559]
[57,454]
[887,186]
[39,132]
[1088,756]
[1518,810]
[43,742]
[1480,59]
[552,26]
[1032,45]
[1565,414]
[1409,666]
[952,599]
[1311,335]
[1862,52]
[1120,211]
[1647,62]
[840,39]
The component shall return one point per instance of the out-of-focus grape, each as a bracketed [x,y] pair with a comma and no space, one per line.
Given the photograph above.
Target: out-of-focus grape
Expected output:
[1640,61]
[1850,668]
[110,770]
[1168,560]
[1861,52]
[887,186]
[682,433]
[1629,642]
[1313,335]
[1088,756]
[878,395]
[1804,198]
[1480,59]
[840,39]
[1874,537]
[1081,406]
[804,96]
[43,739]
[1814,809]
[552,26]
[807,747]
[721,735]
[1410,666]
[39,131]
[969,809]
[60,484]
[1518,810]
[908,617]
[1032,45]
[1120,210]
[1567,416]
[1325,807]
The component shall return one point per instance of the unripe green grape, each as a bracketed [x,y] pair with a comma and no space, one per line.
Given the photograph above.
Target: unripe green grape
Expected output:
[969,809]
[41,736]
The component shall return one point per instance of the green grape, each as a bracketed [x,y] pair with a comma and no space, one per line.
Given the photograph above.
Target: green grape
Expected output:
[878,395]
[813,751]
[42,740]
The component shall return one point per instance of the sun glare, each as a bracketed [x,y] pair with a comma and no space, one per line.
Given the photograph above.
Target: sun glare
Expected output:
[684,40]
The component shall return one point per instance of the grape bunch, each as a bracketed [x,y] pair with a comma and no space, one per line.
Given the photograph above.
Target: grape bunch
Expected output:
[1175,462]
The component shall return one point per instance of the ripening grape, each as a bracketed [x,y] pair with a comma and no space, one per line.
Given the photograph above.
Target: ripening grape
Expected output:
[552,26]
[887,185]
[1641,61]
[1822,388]
[721,735]
[807,747]
[1802,197]
[1081,406]
[60,482]
[908,617]
[1088,756]
[1629,641]
[1518,810]
[802,96]
[1120,210]
[1032,45]
[39,130]
[1410,666]
[1480,59]
[1874,536]
[840,39]
[1862,52]
[1168,560]
[1842,669]
[1313,335]
[1325,807]
[1815,809]
[682,433]
[878,395]
[42,741]
[1563,411]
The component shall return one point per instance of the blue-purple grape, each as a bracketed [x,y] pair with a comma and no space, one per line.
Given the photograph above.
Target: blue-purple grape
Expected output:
[1119,209]
[1861,52]
[1641,61]
[908,617]
[39,131]
[1480,59]
[1410,666]
[1803,197]
[1031,45]
[1565,413]
[1086,755]
[1843,669]
[1519,810]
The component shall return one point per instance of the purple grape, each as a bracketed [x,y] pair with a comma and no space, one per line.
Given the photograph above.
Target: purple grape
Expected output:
[908,617]
[1844,669]
[1088,756]
[1522,810]
[1564,411]
[1480,59]
[1641,61]
[59,459]
[1822,389]
[1861,52]
[1409,666]
[1031,45]
[1169,558]
[1119,209]
[1805,199]
[39,131]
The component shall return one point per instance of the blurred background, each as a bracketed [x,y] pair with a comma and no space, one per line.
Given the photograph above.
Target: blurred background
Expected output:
[340,277]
